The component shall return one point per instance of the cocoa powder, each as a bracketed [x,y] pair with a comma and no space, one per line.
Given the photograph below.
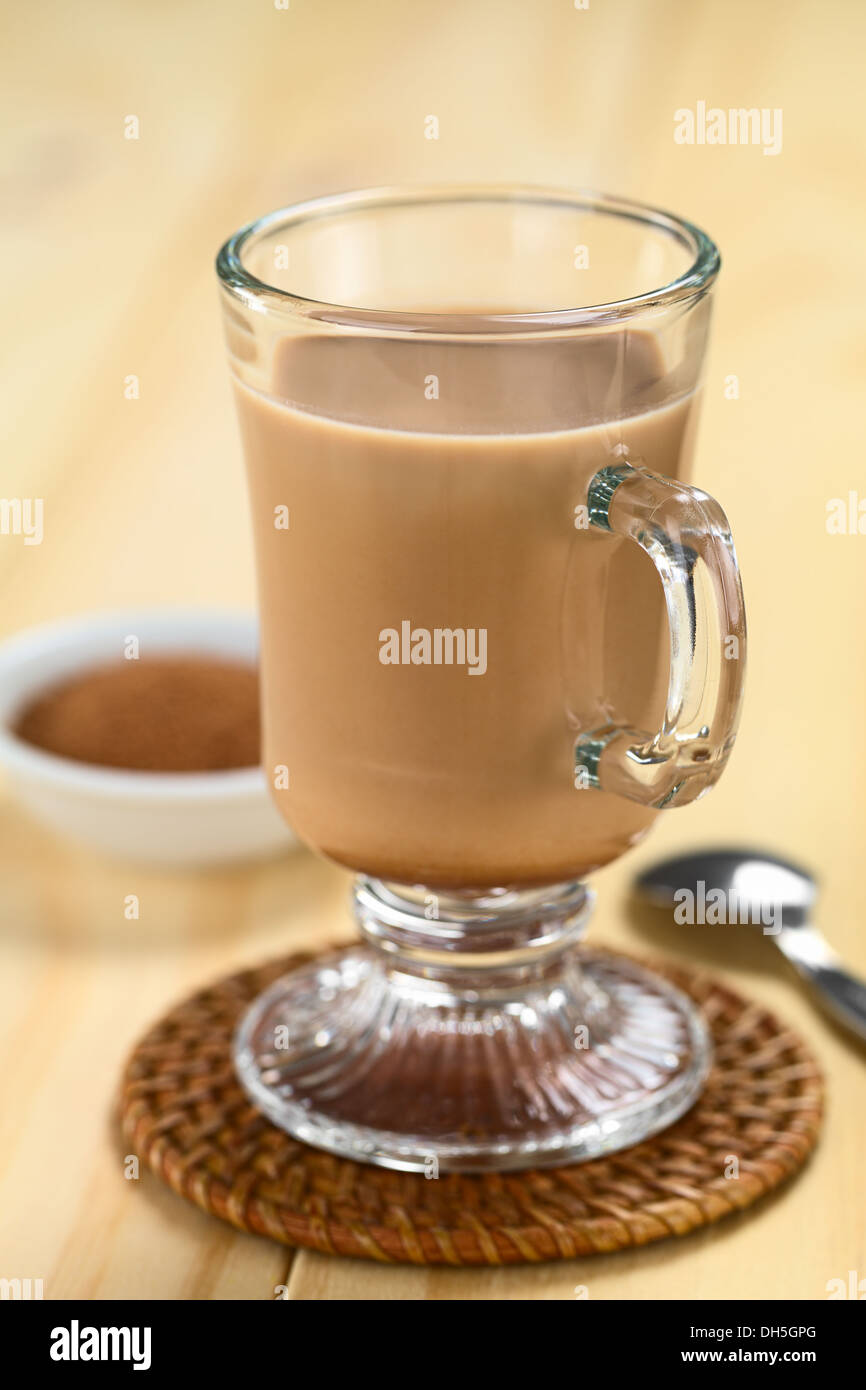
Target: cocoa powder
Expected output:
[160,714]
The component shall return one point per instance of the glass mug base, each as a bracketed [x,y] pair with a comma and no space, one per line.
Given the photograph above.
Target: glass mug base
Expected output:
[469,1034]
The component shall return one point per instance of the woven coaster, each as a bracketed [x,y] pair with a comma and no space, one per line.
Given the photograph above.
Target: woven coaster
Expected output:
[185,1115]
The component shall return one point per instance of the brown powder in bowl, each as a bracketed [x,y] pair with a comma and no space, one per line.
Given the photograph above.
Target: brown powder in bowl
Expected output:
[159,714]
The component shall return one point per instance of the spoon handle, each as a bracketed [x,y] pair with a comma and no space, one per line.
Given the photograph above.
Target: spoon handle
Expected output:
[842,993]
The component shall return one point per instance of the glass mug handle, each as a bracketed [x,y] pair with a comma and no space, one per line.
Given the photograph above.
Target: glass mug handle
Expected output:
[687,536]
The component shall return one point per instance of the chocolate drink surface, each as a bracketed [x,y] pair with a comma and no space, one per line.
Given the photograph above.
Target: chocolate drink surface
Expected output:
[438,623]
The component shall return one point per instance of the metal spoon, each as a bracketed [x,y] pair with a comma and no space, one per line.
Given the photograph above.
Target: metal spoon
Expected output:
[749,885]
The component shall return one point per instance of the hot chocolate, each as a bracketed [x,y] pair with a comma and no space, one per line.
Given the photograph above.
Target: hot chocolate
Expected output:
[463,518]
[478,611]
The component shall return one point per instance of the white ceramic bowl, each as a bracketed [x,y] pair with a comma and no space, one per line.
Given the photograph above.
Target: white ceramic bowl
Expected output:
[182,819]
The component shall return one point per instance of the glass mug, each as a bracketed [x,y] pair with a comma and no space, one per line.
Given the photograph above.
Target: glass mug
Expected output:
[500,633]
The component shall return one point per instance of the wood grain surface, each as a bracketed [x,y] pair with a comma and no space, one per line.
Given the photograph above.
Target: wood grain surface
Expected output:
[108,246]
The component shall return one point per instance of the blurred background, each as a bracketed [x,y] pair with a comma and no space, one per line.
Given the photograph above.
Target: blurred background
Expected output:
[108,246]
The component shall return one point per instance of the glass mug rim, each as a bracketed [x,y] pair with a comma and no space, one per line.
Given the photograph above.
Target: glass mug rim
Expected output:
[686,288]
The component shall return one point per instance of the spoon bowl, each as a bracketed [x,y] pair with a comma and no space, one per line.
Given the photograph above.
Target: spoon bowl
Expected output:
[750,885]
[752,878]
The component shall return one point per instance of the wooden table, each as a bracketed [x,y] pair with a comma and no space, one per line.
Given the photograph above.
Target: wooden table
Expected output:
[108,245]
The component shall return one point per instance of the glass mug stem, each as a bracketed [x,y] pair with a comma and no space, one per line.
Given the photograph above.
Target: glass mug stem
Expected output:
[686,535]
[500,938]
[475,1039]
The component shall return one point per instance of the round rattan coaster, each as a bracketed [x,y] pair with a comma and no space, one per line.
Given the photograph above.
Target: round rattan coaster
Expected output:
[185,1115]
